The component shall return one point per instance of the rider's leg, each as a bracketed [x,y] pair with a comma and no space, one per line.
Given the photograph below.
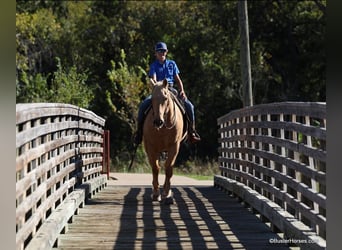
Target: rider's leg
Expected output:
[141,117]
[189,108]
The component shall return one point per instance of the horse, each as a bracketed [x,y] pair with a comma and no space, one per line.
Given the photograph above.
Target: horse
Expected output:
[163,133]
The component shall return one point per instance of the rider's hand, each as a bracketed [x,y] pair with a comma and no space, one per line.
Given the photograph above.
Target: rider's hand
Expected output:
[182,95]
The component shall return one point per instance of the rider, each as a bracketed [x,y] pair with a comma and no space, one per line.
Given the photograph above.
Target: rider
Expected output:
[160,69]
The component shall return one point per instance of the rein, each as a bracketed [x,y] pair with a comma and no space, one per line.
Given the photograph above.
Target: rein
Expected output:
[174,115]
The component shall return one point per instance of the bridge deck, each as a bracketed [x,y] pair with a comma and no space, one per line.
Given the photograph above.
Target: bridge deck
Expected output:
[202,217]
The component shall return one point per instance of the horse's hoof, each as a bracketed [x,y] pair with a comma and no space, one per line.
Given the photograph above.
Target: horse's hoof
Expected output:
[156,197]
[168,201]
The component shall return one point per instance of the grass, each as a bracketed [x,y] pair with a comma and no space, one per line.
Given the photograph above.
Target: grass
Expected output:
[196,169]
[199,177]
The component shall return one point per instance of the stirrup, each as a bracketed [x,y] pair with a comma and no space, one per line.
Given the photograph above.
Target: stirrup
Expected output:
[194,137]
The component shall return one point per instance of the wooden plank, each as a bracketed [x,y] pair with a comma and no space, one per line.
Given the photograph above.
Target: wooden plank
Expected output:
[30,111]
[47,234]
[289,144]
[290,163]
[283,220]
[293,183]
[36,152]
[296,204]
[41,130]
[200,218]
[44,129]
[94,185]
[314,109]
[34,175]
[48,138]
[39,213]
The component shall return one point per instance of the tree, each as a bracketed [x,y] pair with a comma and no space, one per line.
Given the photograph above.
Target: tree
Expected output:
[288,49]
[287,52]
[123,98]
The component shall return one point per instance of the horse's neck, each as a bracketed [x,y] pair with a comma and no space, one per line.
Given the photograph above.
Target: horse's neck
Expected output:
[171,112]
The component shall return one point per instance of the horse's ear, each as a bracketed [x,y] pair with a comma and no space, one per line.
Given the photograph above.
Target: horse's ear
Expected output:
[165,83]
[152,81]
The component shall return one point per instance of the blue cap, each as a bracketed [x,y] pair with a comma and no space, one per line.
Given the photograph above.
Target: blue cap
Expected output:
[160,46]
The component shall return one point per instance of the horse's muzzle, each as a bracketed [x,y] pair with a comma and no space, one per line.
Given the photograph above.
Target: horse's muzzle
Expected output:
[158,123]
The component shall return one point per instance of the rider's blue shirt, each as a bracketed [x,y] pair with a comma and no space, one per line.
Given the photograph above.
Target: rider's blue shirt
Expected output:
[166,70]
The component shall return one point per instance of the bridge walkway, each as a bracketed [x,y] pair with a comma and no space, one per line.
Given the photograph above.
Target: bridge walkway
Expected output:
[202,217]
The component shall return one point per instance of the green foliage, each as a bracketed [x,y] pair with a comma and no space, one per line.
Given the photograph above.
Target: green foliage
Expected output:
[126,90]
[33,88]
[69,86]
[123,97]
[106,47]
[127,84]
[288,50]
[36,34]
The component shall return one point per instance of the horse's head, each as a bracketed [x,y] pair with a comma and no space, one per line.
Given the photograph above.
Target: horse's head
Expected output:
[160,102]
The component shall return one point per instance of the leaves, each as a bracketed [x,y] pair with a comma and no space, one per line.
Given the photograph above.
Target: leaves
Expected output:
[127,88]
[69,86]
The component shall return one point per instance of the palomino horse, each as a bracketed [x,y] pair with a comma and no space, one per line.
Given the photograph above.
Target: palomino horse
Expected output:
[162,132]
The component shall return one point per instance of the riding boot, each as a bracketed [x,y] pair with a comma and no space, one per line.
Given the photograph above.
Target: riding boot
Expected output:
[139,133]
[194,136]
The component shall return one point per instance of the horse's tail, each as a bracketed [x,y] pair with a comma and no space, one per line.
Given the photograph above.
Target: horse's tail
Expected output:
[135,147]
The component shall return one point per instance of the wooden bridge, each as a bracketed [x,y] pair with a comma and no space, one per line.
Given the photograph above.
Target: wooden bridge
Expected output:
[271,193]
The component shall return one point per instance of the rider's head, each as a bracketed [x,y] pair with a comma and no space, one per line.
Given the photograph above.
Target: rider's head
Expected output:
[160,46]
[161,51]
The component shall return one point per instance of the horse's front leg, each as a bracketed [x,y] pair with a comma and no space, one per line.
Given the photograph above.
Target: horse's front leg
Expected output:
[167,184]
[170,161]
[155,183]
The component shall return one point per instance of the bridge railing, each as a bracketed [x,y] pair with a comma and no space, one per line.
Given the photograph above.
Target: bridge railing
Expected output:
[273,157]
[59,164]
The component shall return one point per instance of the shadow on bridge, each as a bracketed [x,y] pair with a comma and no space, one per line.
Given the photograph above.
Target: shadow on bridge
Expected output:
[200,218]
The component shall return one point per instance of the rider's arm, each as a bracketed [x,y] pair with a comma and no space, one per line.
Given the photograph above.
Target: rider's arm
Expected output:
[180,86]
[153,78]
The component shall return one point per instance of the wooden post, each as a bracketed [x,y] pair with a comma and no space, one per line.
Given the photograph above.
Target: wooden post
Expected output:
[106,154]
[245,54]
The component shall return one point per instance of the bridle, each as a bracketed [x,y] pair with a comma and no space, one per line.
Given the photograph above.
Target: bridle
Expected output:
[173,123]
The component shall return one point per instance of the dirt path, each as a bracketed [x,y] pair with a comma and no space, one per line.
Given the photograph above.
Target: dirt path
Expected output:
[129,179]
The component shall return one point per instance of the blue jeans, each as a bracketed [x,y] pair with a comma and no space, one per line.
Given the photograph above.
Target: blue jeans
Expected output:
[189,109]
